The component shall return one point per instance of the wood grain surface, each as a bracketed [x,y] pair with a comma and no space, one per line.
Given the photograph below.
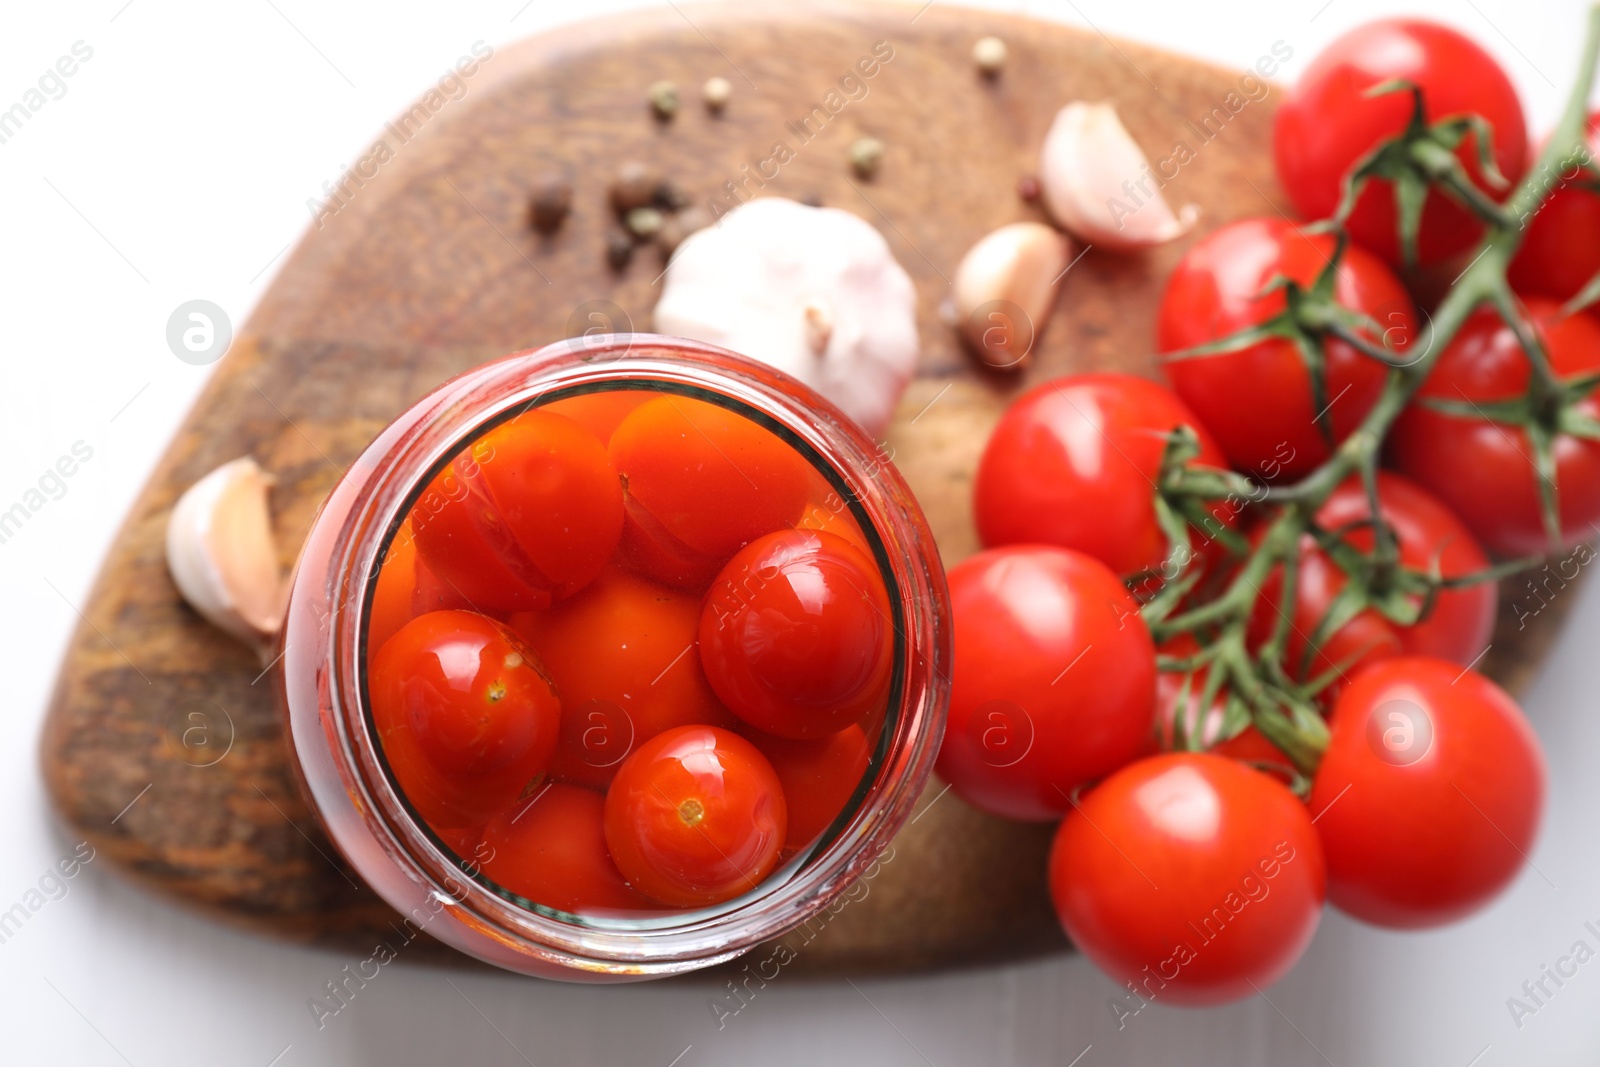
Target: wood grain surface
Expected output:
[429,267]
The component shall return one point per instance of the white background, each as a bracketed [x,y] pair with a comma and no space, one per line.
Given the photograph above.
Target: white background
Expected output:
[177,166]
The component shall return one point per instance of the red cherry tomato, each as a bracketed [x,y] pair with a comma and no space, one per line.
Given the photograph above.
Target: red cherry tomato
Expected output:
[1052,681]
[465,841]
[551,849]
[456,565]
[622,655]
[695,816]
[407,588]
[532,511]
[602,412]
[1366,638]
[1190,878]
[828,512]
[1258,401]
[554,488]
[1246,746]
[1327,123]
[1073,462]
[701,481]
[1429,793]
[796,636]
[1560,251]
[1429,535]
[432,593]
[1458,625]
[397,584]
[1484,471]
[818,778]
[465,715]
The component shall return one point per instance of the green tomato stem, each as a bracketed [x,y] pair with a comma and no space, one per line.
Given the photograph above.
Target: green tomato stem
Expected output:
[1280,715]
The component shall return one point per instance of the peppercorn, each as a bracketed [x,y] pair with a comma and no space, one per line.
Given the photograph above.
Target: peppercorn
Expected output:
[717,93]
[619,249]
[552,199]
[634,186]
[866,154]
[643,222]
[990,55]
[669,197]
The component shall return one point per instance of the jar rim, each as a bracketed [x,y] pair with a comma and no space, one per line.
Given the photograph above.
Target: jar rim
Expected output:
[396,470]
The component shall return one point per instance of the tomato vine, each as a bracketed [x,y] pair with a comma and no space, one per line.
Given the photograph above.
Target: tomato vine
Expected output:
[1260,688]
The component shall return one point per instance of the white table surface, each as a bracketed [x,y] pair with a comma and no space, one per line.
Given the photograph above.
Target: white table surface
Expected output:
[177,165]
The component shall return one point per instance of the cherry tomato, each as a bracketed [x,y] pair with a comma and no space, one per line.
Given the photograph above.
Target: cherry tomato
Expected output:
[1052,680]
[465,715]
[1428,535]
[1366,638]
[701,482]
[1190,878]
[551,849]
[396,586]
[1327,123]
[1485,471]
[1246,746]
[622,655]
[532,511]
[1073,464]
[797,636]
[432,593]
[555,494]
[695,816]
[1561,249]
[1258,401]
[1429,793]
[465,841]
[818,778]
[407,588]
[601,412]
[456,555]
[828,512]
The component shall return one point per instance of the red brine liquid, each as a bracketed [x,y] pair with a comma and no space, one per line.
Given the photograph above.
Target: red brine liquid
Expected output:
[629,651]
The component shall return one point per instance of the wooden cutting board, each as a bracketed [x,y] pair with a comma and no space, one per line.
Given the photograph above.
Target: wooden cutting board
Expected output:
[162,745]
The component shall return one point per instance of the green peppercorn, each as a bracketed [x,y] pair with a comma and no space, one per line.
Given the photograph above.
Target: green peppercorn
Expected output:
[643,222]
[866,154]
[664,100]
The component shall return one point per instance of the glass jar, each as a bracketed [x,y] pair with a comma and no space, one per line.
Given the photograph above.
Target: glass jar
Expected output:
[329,726]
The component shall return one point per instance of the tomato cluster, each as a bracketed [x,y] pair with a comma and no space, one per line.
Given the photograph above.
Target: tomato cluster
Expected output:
[629,651]
[1207,633]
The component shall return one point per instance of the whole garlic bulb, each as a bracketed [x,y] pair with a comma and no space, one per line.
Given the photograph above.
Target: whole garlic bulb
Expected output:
[814,292]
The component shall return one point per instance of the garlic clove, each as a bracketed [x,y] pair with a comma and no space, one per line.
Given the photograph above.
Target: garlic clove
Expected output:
[1004,290]
[222,555]
[1098,186]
